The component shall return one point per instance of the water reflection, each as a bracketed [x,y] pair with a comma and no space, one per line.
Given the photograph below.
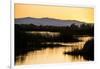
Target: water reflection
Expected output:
[44,33]
[54,55]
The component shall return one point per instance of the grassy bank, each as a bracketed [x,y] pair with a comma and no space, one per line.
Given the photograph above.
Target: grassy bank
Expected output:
[87,52]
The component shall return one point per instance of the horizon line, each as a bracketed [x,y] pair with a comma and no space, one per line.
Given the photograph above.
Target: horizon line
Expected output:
[55,19]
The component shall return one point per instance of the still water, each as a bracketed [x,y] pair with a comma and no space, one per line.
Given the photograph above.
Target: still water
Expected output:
[54,55]
[44,33]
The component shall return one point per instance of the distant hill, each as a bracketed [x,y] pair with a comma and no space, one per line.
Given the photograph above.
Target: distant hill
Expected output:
[47,21]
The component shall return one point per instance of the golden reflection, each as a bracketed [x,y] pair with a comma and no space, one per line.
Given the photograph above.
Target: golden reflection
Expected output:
[54,55]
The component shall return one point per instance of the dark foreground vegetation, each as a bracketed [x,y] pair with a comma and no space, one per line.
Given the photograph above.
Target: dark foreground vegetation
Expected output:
[87,52]
[25,42]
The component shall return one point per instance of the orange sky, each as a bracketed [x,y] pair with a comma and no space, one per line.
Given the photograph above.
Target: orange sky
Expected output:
[64,13]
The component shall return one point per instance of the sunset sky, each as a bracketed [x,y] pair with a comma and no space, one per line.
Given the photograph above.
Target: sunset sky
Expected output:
[61,12]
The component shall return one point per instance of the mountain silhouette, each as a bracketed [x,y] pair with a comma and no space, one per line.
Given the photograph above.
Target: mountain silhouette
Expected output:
[47,21]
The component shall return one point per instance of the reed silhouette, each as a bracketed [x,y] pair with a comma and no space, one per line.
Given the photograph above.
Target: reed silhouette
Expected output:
[25,42]
[87,52]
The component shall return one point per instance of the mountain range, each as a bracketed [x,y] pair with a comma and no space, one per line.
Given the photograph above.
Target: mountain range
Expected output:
[47,21]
